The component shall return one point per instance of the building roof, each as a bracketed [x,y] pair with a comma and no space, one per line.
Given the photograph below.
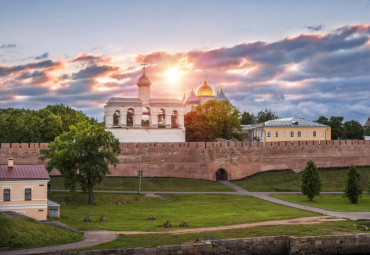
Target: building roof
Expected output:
[205,90]
[221,96]
[292,122]
[192,98]
[23,172]
[367,124]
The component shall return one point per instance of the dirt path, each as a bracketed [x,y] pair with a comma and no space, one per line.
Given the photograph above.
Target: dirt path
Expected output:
[306,220]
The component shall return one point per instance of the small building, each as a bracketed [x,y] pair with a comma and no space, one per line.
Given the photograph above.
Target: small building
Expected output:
[289,129]
[24,189]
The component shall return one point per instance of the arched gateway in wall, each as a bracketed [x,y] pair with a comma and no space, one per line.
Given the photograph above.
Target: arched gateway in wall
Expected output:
[221,175]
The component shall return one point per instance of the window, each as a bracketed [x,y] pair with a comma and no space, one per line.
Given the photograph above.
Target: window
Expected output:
[161,118]
[299,134]
[314,133]
[291,133]
[27,194]
[116,118]
[130,117]
[174,123]
[145,117]
[6,194]
[276,134]
[268,134]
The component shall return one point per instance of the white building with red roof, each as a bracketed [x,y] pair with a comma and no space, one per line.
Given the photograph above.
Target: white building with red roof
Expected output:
[24,189]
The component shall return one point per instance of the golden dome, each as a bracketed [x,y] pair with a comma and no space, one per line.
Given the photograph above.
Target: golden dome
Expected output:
[205,90]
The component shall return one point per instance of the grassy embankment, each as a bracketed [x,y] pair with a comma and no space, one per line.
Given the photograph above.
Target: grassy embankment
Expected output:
[150,184]
[333,179]
[23,233]
[130,211]
[335,202]
[153,240]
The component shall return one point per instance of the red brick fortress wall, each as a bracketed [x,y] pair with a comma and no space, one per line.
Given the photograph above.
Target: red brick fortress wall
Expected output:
[201,160]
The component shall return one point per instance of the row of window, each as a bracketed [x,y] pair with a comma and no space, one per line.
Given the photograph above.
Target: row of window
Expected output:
[299,133]
[145,116]
[27,194]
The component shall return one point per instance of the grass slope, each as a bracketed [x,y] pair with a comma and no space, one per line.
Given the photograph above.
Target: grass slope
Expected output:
[333,179]
[130,211]
[335,202]
[23,233]
[150,184]
[153,240]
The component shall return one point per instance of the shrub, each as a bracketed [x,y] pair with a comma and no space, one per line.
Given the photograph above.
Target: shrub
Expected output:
[311,181]
[353,188]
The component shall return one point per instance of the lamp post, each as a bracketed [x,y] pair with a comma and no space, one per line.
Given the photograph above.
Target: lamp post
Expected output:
[140,173]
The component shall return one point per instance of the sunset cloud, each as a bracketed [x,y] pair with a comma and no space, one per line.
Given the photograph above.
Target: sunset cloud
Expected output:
[306,75]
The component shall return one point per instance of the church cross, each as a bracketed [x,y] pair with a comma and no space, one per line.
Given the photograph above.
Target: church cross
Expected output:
[144,64]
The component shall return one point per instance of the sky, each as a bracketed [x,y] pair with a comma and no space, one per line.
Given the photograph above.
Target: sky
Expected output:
[297,58]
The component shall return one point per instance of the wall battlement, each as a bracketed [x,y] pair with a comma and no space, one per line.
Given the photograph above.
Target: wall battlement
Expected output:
[201,160]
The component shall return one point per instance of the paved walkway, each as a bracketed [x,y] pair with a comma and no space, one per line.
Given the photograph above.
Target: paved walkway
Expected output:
[94,237]
[91,238]
[265,196]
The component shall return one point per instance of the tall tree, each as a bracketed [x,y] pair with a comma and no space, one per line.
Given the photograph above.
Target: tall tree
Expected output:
[336,124]
[353,188]
[83,155]
[311,181]
[353,130]
[211,120]
[246,118]
[266,115]
[323,120]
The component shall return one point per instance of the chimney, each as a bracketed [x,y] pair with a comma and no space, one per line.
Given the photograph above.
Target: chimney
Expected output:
[10,163]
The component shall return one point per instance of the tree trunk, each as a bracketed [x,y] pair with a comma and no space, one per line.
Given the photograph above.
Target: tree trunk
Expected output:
[91,196]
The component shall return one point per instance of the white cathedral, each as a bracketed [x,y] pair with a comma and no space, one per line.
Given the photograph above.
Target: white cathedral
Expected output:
[147,119]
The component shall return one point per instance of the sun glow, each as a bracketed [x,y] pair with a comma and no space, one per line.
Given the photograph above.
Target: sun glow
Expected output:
[174,75]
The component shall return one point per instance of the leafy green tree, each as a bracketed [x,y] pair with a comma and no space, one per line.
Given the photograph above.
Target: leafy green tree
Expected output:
[246,118]
[367,132]
[353,188]
[323,120]
[83,155]
[211,120]
[336,124]
[311,181]
[353,130]
[266,115]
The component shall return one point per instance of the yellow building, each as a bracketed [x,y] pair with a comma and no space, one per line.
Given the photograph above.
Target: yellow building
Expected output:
[289,129]
[24,190]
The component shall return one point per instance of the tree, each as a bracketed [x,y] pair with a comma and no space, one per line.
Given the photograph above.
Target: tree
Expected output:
[246,118]
[323,120]
[311,181]
[353,187]
[367,132]
[266,115]
[83,155]
[353,130]
[211,120]
[336,124]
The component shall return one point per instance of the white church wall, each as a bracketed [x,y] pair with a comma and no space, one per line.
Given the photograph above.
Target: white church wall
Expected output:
[150,135]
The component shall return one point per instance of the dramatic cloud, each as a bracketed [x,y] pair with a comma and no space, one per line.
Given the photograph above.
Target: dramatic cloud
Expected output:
[7,46]
[43,56]
[308,75]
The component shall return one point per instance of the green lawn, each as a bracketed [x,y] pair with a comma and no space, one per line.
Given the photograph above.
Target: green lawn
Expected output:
[333,179]
[335,202]
[130,211]
[23,233]
[153,240]
[150,184]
